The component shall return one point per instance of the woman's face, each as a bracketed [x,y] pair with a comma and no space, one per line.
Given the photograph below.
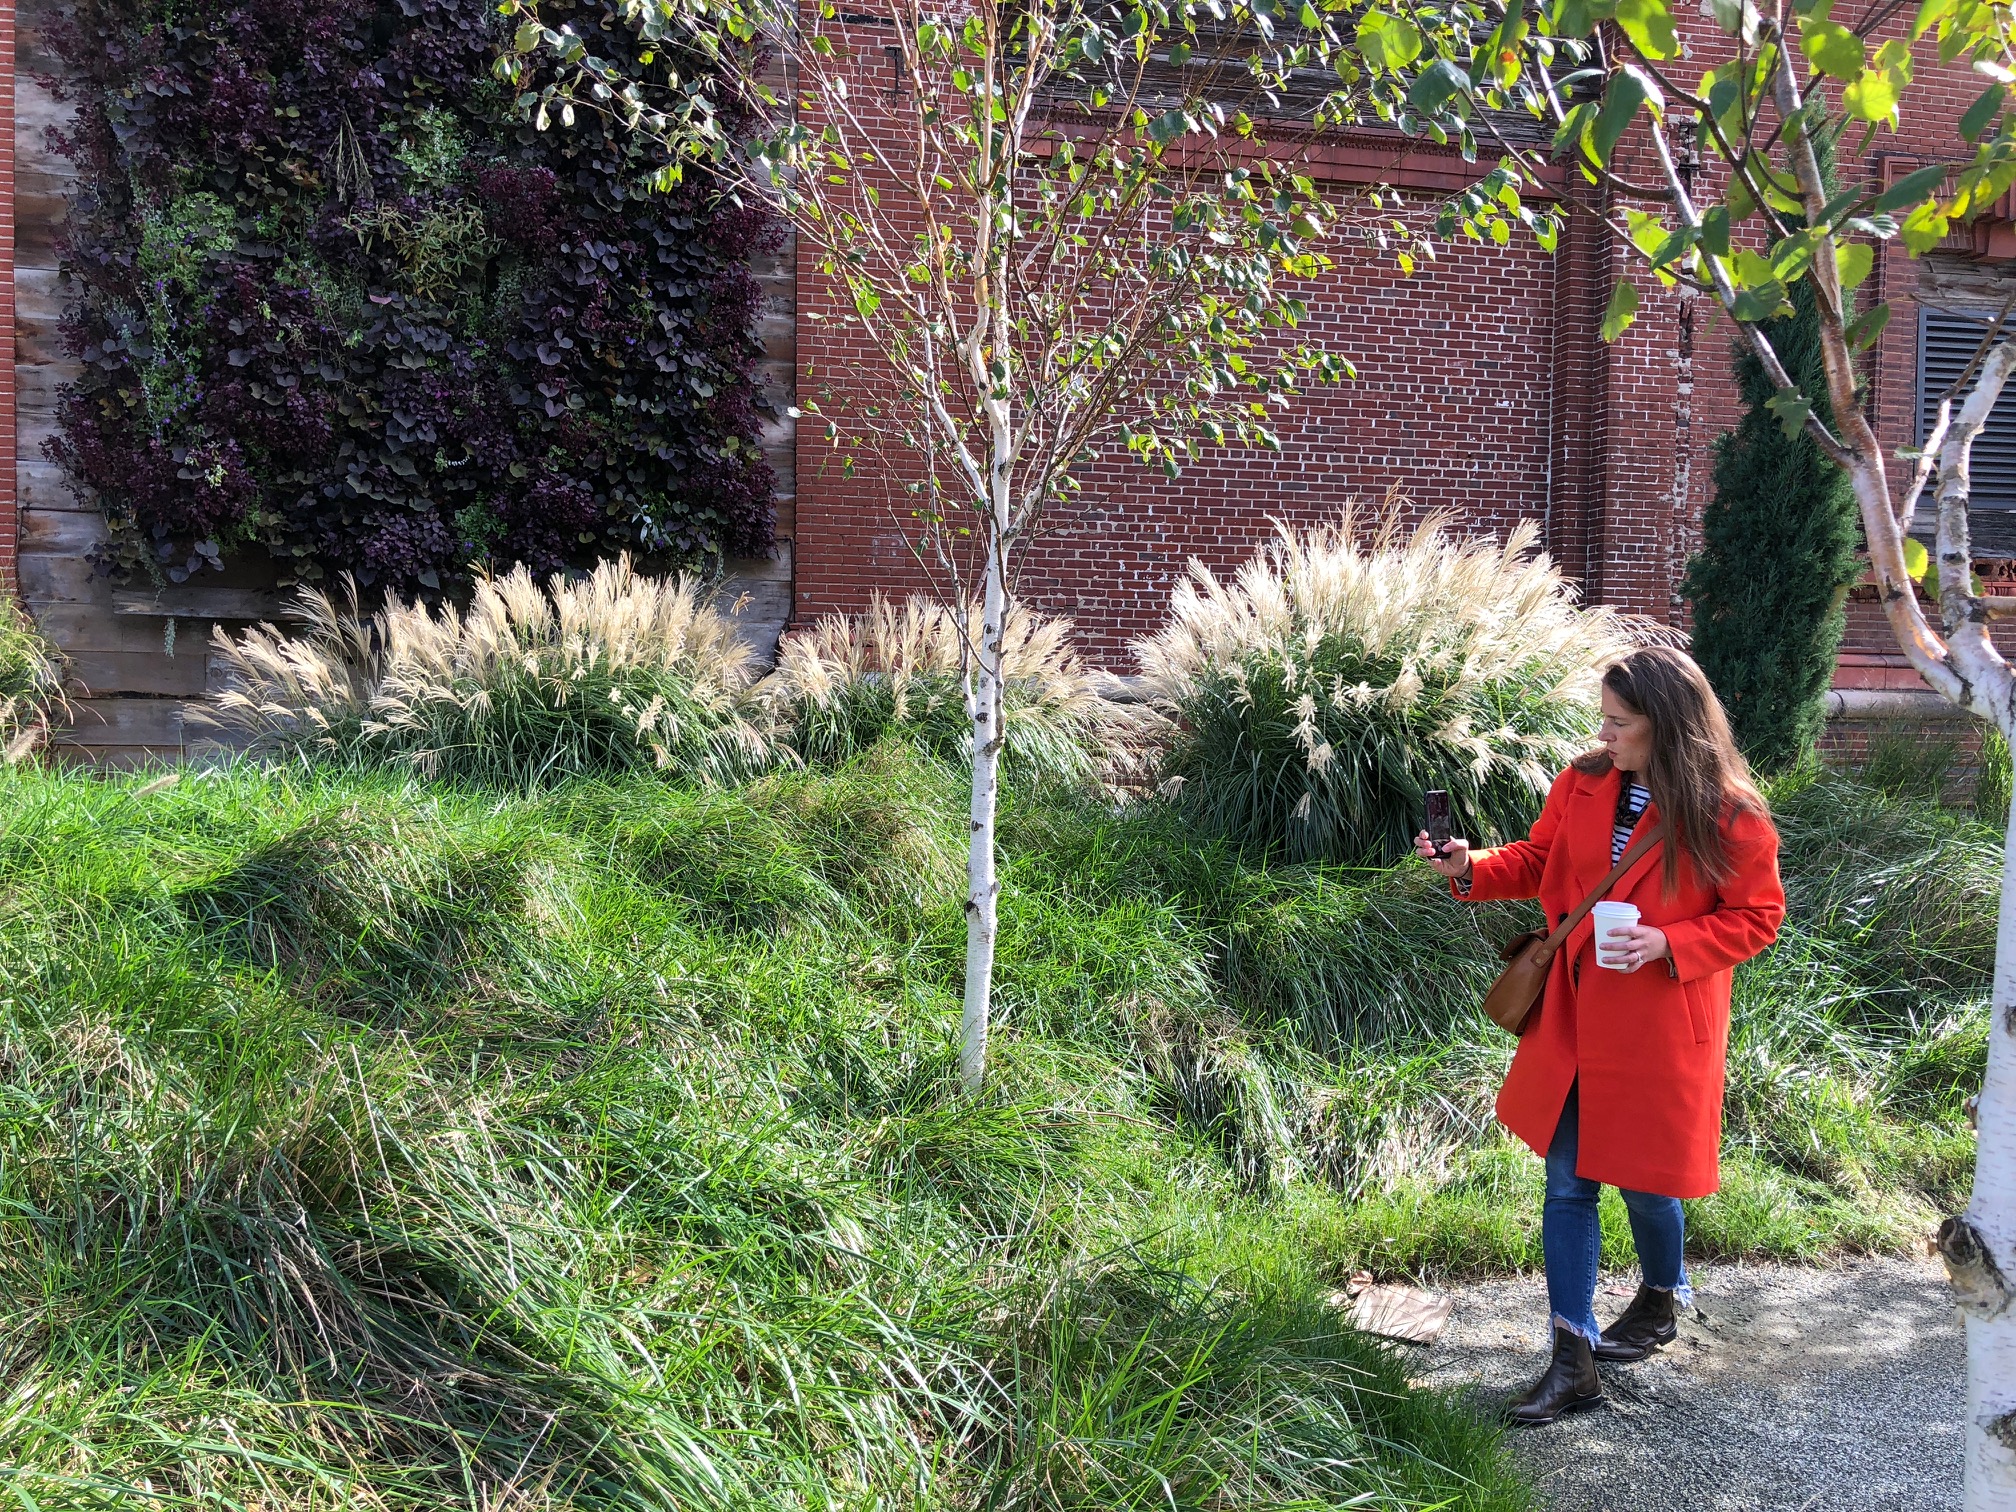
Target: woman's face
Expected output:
[1626,735]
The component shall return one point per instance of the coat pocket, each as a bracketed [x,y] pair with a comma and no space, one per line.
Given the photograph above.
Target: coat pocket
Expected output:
[1698,1018]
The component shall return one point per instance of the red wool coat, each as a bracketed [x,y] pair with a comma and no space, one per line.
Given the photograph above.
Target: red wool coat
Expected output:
[1649,1045]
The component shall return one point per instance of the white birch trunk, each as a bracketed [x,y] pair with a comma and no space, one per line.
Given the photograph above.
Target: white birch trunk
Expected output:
[1977,1245]
[988,711]
[983,885]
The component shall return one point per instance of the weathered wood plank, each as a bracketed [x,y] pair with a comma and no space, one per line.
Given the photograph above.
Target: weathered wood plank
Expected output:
[124,722]
[61,532]
[115,673]
[31,434]
[80,628]
[770,569]
[49,579]
[40,292]
[37,385]
[184,602]
[38,339]
[43,485]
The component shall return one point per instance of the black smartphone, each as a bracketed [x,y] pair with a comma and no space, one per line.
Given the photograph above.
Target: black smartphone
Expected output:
[1438,820]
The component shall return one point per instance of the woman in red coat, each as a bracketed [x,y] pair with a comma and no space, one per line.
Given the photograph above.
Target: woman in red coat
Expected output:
[1619,1072]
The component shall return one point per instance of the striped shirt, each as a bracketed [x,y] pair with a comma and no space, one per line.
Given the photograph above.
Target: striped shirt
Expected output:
[1631,801]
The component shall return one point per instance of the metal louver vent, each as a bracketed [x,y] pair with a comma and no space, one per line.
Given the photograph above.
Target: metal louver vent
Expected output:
[1947,340]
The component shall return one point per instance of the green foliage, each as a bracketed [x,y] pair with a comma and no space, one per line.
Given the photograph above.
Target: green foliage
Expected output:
[1778,551]
[455,380]
[1317,697]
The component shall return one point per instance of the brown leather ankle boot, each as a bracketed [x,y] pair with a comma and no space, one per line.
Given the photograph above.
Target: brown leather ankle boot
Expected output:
[1569,1384]
[1651,1320]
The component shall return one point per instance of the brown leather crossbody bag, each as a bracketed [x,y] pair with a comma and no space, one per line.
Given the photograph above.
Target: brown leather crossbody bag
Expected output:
[1516,993]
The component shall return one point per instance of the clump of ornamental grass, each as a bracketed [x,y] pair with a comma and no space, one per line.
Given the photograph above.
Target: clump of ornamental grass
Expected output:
[528,685]
[31,684]
[899,671]
[1348,669]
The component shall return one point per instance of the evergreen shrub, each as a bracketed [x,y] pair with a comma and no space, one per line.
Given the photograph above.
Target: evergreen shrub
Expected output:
[1778,554]
[342,305]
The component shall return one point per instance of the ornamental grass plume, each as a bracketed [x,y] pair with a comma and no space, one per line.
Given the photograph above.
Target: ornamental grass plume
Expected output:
[527,685]
[1348,669]
[31,684]
[897,671]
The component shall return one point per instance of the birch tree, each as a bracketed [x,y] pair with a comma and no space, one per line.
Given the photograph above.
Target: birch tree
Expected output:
[1060,235]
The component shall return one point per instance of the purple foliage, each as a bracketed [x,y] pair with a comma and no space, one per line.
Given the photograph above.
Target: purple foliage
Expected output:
[267,369]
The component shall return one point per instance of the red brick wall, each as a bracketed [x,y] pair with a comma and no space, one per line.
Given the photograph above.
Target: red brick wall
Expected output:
[1482,388]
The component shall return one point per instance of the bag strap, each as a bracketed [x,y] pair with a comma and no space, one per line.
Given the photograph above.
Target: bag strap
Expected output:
[1581,910]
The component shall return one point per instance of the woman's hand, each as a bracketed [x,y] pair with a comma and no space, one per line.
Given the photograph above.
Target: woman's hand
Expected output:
[1634,946]
[1455,865]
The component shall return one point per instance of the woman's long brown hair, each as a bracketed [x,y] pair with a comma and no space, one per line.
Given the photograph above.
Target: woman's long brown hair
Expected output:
[1696,775]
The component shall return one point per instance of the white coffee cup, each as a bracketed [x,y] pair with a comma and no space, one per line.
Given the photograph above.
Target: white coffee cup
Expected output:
[1608,916]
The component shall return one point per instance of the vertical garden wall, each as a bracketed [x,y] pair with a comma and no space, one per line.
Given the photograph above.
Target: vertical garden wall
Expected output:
[338,309]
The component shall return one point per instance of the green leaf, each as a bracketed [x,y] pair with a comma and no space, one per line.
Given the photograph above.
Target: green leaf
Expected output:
[1924,228]
[1916,559]
[1791,256]
[1751,269]
[1731,16]
[1572,126]
[1911,188]
[1831,48]
[1930,14]
[1498,58]
[1621,311]
[1723,96]
[1620,104]
[1852,262]
[1715,232]
[1578,18]
[1435,86]
[1742,204]
[1791,408]
[1981,114]
[1647,232]
[1873,97]
[1866,327]
[1388,42]
[1760,303]
[1649,25]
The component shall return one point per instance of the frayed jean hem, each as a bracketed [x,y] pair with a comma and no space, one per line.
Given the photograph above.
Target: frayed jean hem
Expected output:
[1577,1329]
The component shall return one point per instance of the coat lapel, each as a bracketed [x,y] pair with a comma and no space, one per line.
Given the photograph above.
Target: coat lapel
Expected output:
[1591,839]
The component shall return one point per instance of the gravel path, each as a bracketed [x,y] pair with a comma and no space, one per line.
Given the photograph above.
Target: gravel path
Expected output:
[1792,1390]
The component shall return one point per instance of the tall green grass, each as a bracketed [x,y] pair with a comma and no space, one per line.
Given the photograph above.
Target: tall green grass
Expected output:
[367,1143]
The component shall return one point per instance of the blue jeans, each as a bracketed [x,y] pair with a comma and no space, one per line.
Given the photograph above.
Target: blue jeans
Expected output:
[1571,1237]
